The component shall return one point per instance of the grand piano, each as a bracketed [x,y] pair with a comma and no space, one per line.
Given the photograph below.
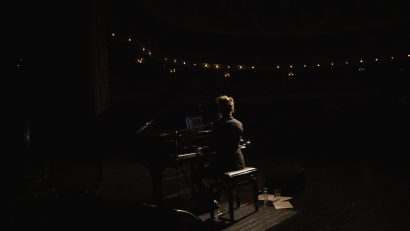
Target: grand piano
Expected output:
[174,148]
[173,139]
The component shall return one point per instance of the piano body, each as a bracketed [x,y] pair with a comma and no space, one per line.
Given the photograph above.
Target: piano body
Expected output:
[173,149]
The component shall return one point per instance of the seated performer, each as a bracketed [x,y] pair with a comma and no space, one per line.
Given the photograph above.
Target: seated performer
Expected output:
[225,141]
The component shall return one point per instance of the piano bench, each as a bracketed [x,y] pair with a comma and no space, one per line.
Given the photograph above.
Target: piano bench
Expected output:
[233,181]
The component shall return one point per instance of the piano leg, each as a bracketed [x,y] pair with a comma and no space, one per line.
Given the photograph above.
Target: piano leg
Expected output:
[187,181]
[156,170]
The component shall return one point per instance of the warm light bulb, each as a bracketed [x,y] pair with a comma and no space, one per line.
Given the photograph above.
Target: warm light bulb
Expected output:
[361,60]
[318,64]
[184,62]
[217,66]
[253,67]
[113,34]
[347,62]
[140,60]
[229,67]
[227,74]
[376,59]
[290,74]
[166,59]
[392,57]
[291,66]
[205,65]
[277,66]
[408,55]
[332,64]
[304,65]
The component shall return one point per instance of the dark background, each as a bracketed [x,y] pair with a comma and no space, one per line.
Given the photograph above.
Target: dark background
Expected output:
[319,114]
[339,108]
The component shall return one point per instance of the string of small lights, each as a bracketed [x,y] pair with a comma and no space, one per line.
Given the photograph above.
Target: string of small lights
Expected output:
[171,63]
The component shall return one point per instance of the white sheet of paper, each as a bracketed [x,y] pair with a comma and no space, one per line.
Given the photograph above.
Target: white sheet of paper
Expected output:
[278,198]
[282,205]
[261,197]
[272,197]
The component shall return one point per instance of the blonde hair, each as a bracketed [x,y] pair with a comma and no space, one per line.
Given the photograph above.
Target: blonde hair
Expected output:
[226,105]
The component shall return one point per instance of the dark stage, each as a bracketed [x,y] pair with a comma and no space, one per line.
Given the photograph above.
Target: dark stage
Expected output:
[321,88]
